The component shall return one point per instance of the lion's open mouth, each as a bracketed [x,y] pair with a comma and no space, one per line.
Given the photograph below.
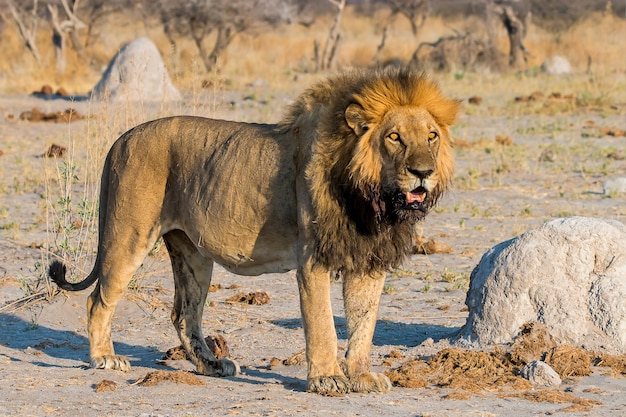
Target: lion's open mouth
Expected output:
[417,196]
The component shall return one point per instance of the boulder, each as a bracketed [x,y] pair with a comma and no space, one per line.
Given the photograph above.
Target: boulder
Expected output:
[136,73]
[569,274]
[556,65]
[540,374]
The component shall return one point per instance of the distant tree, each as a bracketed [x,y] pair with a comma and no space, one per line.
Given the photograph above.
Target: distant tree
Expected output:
[27,16]
[326,59]
[63,26]
[557,16]
[415,11]
[227,18]
[515,16]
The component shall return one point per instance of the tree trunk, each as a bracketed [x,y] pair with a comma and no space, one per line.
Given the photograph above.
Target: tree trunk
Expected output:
[28,34]
[225,34]
[330,48]
[58,40]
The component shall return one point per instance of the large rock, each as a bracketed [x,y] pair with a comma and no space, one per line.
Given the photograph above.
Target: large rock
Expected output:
[556,65]
[136,73]
[569,274]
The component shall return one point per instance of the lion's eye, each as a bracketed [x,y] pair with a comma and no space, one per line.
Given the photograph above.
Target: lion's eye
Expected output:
[394,136]
[433,136]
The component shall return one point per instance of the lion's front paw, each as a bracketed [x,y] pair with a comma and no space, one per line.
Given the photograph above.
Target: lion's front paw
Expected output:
[228,367]
[328,384]
[370,382]
[114,362]
[222,367]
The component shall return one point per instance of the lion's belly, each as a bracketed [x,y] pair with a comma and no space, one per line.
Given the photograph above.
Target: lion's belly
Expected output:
[236,200]
[245,252]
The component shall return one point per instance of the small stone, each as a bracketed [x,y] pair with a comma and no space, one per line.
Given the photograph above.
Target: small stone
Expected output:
[615,185]
[540,373]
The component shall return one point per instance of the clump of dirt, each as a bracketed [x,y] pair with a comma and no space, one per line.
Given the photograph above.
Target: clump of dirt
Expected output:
[54,151]
[470,371]
[66,116]
[106,385]
[422,246]
[257,298]
[475,100]
[474,371]
[532,343]
[569,361]
[180,377]
[616,363]
[297,359]
[504,140]
[47,91]
[217,345]
[411,374]
[556,397]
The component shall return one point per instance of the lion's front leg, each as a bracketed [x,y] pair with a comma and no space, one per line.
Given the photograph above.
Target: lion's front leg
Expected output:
[361,296]
[323,371]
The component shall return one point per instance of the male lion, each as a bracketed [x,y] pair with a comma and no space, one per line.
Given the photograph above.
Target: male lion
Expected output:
[336,187]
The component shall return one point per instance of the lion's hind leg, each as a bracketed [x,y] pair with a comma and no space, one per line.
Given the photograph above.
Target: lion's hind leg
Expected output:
[101,305]
[192,278]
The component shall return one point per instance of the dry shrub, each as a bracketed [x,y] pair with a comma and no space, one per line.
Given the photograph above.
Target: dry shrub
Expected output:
[531,344]
[569,361]
[180,377]
[257,298]
[217,345]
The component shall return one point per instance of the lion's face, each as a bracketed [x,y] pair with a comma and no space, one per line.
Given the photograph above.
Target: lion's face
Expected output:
[413,156]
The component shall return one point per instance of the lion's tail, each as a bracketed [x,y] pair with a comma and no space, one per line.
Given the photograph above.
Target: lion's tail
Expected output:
[57,271]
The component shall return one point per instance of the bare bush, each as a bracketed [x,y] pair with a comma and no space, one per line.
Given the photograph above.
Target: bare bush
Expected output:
[227,18]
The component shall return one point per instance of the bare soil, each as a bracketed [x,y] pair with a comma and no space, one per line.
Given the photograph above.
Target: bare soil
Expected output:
[518,166]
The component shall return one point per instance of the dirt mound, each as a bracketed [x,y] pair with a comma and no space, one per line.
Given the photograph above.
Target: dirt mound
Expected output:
[257,298]
[136,73]
[217,344]
[180,377]
[578,294]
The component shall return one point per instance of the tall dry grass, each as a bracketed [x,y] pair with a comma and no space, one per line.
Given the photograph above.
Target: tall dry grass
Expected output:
[277,55]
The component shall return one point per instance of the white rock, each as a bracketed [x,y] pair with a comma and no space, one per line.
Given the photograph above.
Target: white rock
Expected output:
[541,374]
[136,73]
[615,185]
[556,65]
[569,274]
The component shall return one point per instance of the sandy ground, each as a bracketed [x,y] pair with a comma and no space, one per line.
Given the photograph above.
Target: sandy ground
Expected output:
[501,190]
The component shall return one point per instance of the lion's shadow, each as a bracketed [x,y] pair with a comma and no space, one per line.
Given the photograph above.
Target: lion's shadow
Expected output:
[19,334]
[387,332]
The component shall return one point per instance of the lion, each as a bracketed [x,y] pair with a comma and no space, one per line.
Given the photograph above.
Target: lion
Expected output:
[335,188]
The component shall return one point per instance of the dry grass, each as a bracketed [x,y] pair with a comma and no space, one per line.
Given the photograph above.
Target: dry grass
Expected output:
[289,49]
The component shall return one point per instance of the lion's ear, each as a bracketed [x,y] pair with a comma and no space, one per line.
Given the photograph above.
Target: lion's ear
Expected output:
[356,119]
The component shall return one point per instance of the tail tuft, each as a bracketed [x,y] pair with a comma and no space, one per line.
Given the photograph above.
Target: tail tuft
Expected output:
[56,272]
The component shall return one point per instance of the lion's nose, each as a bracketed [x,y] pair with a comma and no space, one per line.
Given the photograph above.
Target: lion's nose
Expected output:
[420,173]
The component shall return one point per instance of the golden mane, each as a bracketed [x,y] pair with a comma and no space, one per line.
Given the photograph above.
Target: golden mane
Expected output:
[356,230]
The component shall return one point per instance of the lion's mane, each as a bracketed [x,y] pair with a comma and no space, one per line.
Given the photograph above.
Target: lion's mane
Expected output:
[356,226]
